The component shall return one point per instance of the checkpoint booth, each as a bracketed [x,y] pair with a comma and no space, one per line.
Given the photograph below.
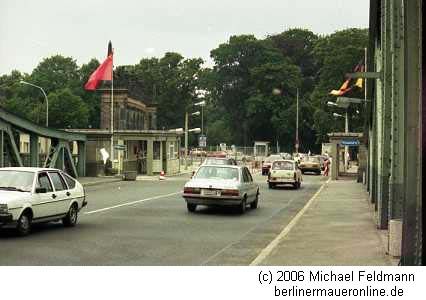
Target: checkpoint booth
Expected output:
[338,142]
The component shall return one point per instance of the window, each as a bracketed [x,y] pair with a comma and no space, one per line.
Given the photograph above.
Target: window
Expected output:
[69,180]
[213,172]
[172,153]
[283,165]
[16,179]
[249,175]
[157,145]
[44,182]
[57,181]
[245,176]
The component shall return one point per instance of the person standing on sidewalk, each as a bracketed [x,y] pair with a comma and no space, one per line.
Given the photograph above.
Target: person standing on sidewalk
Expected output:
[327,163]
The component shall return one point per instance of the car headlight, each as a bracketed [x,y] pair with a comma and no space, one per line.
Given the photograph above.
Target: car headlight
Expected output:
[4,209]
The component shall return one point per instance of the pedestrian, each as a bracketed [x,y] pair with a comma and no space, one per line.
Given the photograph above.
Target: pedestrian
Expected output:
[139,161]
[327,166]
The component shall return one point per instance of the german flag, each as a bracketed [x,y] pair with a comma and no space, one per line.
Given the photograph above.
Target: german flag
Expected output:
[349,83]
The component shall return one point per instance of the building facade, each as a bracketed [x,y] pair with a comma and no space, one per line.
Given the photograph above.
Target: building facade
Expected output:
[137,145]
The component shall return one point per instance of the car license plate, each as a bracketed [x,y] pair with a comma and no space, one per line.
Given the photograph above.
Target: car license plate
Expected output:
[211,193]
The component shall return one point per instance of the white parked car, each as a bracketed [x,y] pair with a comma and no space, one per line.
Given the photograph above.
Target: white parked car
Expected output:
[35,195]
[223,185]
[285,172]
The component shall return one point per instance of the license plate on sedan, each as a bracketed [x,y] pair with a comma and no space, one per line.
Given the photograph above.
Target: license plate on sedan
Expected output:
[211,193]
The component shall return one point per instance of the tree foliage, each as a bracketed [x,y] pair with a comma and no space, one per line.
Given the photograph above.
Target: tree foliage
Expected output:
[250,90]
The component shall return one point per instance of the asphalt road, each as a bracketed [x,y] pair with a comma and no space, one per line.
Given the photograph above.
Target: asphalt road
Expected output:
[146,223]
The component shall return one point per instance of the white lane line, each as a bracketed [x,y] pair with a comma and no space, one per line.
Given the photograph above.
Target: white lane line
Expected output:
[131,203]
[274,243]
[249,231]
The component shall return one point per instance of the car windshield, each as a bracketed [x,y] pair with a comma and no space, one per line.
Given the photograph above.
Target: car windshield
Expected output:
[312,159]
[272,158]
[216,161]
[283,165]
[16,180]
[210,172]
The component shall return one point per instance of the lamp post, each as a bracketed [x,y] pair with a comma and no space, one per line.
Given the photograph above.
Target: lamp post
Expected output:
[346,116]
[297,122]
[45,97]
[202,104]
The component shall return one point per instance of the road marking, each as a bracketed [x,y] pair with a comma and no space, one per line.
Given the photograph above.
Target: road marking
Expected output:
[274,243]
[258,225]
[131,203]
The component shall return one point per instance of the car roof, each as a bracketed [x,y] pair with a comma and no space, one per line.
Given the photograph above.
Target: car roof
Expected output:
[28,169]
[284,160]
[222,166]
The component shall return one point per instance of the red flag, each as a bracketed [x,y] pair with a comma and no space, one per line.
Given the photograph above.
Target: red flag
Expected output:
[103,72]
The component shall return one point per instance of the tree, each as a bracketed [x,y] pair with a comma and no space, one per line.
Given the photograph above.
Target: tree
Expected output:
[248,72]
[67,110]
[90,98]
[336,55]
[57,72]
[298,45]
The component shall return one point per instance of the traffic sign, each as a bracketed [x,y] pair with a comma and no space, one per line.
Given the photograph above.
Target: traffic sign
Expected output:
[202,141]
[349,143]
[120,147]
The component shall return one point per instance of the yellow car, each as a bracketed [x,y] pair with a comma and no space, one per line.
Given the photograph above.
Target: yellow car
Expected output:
[310,164]
[284,172]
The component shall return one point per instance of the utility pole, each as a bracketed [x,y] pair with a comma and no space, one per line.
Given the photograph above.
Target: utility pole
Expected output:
[297,121]
[186,140]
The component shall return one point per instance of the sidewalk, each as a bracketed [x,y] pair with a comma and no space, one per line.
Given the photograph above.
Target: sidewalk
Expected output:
[155,177]
[91,181]
[338,228]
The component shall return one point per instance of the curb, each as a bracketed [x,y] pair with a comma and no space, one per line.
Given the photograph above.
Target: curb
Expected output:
[93,183]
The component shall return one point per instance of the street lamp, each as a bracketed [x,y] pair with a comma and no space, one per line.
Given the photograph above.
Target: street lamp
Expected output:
[177,130]
[329,103]
[202,104]
[195,130]
[45,97]
[346,131]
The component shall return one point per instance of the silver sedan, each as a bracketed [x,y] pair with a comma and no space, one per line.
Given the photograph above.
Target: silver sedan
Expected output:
[214,185]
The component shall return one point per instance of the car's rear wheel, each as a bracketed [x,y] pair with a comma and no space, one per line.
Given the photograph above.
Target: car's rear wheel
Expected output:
[191,207]
[242,207]
[24,224]
[70,220]
[255,203]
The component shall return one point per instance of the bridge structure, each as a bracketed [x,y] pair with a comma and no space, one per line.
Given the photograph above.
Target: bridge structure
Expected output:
[395,121]
[58,153]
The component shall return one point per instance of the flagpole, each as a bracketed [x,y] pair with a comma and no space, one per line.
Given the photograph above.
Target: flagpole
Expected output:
[365,80]
[297,121]
[112,113]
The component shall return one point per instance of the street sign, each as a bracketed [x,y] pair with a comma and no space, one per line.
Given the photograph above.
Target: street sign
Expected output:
[120,147]
[202,141]
[349,143]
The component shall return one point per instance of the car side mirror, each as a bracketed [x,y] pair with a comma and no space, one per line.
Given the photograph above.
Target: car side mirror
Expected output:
[41,190]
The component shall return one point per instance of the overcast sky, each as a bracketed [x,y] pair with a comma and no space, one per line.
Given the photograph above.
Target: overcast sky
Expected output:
[33,29]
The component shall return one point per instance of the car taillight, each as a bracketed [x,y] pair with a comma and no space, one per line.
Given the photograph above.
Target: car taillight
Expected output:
[230,192]
[189,190]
